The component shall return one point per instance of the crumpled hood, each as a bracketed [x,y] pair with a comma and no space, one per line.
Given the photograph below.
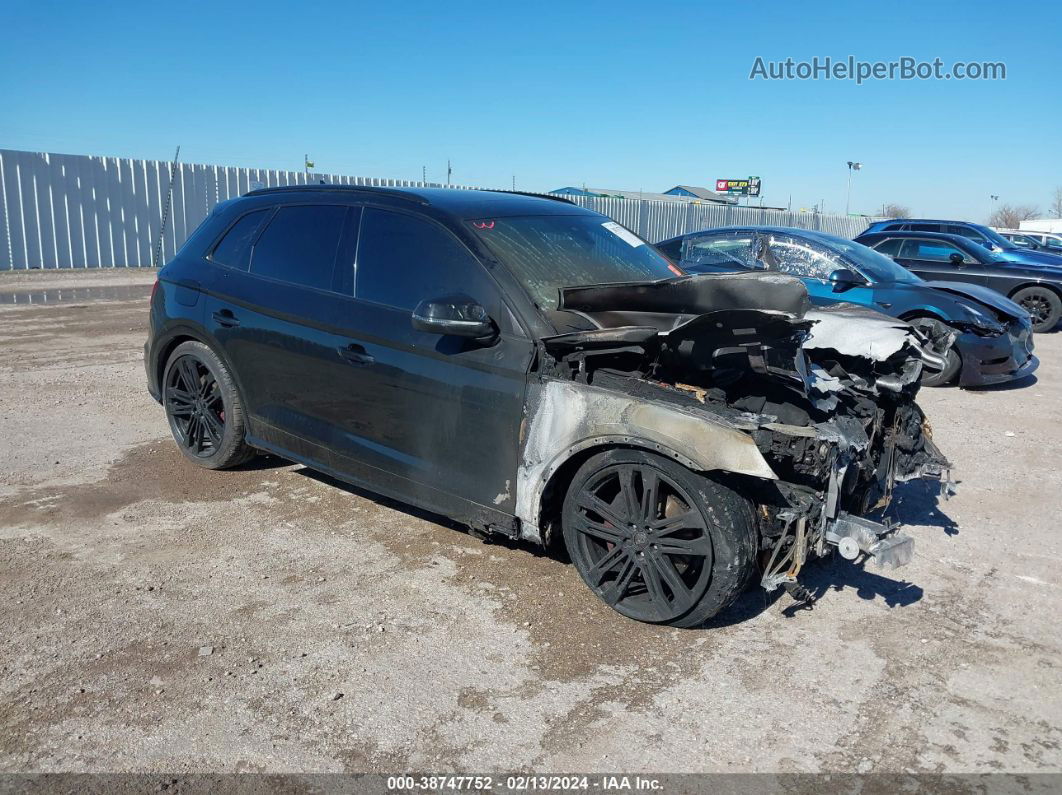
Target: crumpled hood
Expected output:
[981,295]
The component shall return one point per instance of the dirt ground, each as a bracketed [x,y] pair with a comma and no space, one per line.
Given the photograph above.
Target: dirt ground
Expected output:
[158,617]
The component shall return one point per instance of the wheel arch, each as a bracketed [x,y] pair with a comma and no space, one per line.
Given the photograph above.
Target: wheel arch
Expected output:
[1056,289]
[180,335]
[562,470]
[924,311]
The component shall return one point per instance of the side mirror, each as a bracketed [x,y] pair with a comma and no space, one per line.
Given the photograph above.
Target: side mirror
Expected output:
[844,279]
[455,316]
[955,258]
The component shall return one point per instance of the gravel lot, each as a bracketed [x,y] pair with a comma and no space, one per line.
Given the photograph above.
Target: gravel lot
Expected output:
[157,617]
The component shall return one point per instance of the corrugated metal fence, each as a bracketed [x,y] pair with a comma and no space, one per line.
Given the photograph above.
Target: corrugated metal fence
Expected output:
[75,211]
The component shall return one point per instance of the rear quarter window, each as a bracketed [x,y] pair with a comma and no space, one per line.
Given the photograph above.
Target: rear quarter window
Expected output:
[890,247]
[234,248]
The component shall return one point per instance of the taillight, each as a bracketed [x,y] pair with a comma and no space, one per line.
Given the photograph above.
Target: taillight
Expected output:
[154,289]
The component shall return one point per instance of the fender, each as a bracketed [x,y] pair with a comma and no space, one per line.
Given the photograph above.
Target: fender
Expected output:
[565,418]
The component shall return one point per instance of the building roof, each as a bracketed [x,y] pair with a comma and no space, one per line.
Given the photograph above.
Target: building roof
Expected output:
[704,193]
[616,193]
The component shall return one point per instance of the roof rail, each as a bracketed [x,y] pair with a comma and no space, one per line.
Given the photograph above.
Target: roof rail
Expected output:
[534,195]
[398,194]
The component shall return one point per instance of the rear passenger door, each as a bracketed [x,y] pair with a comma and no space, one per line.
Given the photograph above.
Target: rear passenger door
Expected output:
[271,307]
[437,417]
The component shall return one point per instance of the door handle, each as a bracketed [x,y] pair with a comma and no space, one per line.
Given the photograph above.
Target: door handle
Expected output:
[355,354]
[224,317]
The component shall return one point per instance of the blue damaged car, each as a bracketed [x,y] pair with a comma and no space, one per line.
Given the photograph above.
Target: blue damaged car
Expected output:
[992,335]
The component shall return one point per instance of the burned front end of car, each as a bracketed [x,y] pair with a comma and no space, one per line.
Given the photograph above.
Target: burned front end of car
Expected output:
[810,413]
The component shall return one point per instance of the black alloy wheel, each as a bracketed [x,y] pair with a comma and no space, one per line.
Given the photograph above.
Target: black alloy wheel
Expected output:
[639,533]
[195,406]
[203,408]
[1043,305]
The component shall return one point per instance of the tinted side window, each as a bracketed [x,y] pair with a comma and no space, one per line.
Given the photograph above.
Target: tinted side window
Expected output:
[733,250]
[925,227]
[234,249]
[299,245]
[931,250]
[890,247]
[403,260]
[672,249]
[965,231]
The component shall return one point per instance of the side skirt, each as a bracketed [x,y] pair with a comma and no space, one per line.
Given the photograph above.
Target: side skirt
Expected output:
[480,518]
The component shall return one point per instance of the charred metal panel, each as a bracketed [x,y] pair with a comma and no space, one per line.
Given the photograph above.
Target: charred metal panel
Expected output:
[567,417]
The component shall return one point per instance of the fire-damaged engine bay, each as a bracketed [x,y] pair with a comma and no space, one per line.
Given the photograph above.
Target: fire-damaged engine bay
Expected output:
[826,395]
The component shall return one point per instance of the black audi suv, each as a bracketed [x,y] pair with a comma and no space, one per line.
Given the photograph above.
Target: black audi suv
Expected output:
[535,370]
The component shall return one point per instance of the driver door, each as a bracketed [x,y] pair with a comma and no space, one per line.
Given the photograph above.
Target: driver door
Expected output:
[813,265]
[429,418]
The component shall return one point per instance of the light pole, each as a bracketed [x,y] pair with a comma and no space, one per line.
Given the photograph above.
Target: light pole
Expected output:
[991,207]
[852,166]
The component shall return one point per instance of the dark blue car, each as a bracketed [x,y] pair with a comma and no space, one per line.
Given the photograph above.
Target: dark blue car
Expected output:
[984,236]
[993,340]
[954,258]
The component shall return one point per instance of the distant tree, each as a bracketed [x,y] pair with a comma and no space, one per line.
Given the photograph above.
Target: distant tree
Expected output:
[1009,216]
[896,211]
[1056,203]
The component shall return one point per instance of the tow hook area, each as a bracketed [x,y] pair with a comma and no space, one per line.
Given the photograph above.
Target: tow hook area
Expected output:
[853,535]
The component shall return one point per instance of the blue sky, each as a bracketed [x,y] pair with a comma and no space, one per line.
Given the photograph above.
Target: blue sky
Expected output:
[622,95]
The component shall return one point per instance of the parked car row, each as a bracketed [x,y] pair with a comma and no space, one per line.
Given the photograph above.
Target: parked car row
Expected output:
[992,335]
[1050,242]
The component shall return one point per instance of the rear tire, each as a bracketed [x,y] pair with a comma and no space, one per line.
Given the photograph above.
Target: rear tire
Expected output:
[1043,304]
[655,541]
[204,409]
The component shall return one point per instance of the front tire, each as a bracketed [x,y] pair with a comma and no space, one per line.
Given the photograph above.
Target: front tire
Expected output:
[1043,304]
[204,409]
[934,328]
[657,542]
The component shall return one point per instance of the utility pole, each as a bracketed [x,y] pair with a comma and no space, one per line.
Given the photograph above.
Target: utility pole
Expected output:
[852,166]
[424,175]
[449,172]
[514,183]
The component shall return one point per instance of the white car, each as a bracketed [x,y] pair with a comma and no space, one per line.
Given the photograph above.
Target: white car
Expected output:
[1026,238]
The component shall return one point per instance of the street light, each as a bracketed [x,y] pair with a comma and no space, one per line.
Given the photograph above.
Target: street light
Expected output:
[852,166]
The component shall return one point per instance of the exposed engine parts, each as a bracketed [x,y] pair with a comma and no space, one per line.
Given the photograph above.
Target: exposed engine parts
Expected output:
[811,409]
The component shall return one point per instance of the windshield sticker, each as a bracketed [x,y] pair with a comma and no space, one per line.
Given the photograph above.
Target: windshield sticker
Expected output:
[630,239]
[483,224]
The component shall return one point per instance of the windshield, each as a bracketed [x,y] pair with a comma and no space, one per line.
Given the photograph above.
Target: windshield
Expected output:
[996,238]
[874,265]
[548,252]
